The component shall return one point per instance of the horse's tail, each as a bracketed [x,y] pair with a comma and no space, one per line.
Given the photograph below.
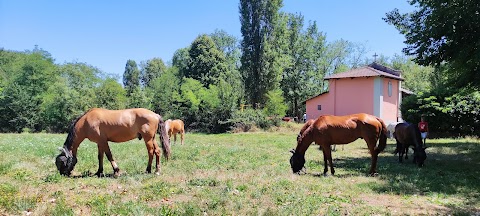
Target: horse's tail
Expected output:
[383,138]
[164,138]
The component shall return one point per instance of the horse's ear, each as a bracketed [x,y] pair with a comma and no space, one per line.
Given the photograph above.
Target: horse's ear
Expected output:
[292,151]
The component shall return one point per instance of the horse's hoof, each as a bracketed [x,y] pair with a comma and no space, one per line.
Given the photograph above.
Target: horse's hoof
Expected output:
[375,174]
[157,173]
[100,175]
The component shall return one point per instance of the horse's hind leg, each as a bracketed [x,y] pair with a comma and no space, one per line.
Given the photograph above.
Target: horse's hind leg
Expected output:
[371,143]
[149,143]
[157,156]
[116,170]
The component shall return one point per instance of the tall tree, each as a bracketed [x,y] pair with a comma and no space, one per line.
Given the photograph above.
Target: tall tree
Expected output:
[111,95]
[206,61]
[229,45]
[231,86]
[33,72]
[258,19]
[131,77]
[443,31]
[180,60]
[150,70]
[303,77]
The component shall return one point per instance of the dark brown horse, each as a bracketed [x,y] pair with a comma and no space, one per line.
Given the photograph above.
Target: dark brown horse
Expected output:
[102,126]
[408,135]
[329,130]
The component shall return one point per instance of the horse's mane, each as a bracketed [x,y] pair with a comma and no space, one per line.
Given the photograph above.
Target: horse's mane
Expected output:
[418,135]
[303,136]
[71,132]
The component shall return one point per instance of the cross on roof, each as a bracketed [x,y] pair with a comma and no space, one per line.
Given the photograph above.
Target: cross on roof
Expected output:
[375,57]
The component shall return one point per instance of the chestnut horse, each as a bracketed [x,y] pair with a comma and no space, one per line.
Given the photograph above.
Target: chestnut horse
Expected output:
[408,135]
[329,130]
[102,125]
[174,127]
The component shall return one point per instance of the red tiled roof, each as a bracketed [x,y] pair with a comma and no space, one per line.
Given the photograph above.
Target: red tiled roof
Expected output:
[366,71]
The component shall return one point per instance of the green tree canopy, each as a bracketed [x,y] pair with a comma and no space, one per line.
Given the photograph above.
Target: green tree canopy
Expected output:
[150,70]
[443,31]
[260,55]
[206,61]
[131,77]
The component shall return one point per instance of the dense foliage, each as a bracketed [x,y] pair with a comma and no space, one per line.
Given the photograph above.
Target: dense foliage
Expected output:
[443,31]
[448,115]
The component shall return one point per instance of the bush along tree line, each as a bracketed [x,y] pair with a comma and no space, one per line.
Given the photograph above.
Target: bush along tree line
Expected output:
[220,82]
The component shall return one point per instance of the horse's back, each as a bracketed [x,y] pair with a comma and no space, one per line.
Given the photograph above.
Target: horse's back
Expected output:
[117,125]
[407,133]
[348,128]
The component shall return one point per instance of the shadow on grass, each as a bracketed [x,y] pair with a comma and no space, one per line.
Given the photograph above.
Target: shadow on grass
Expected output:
[450,169]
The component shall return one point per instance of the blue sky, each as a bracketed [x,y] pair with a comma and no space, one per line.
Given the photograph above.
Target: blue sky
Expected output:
[106,34]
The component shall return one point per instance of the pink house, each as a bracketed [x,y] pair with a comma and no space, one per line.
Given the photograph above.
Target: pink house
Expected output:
[373,89]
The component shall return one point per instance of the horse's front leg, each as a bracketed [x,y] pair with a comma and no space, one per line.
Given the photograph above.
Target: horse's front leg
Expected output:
[116,170]
[406,152]
[327,156]
[101,151]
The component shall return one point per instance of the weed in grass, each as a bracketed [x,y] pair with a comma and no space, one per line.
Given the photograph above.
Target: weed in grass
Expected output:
[5,168]
[204,182]
[25,204]
[8,193]
[53,178]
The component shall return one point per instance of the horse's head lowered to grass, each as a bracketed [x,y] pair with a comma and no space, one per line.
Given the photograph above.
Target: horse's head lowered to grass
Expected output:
[297,161]
[65,162]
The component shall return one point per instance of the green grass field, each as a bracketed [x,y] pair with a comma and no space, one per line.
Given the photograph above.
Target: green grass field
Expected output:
[237,174]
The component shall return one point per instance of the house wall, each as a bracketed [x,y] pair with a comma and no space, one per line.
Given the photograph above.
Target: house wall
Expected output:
[390,101]
[345,96]
[325,100]
[354,96]
[358,95]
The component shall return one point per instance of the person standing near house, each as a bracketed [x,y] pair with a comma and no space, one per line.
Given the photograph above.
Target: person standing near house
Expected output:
[423,126]
[304,117]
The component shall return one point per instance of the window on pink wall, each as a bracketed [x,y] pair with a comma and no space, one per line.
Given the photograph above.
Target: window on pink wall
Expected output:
[319,107]
[389,88]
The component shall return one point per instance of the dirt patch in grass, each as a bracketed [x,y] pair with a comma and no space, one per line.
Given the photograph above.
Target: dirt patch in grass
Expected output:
[399,206]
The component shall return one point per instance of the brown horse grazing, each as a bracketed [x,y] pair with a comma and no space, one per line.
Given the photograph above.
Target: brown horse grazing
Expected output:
[408,135]
[102,125]
[329,130]
[174,127]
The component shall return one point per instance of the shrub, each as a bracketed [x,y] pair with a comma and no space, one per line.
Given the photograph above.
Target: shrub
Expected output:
[448,115]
